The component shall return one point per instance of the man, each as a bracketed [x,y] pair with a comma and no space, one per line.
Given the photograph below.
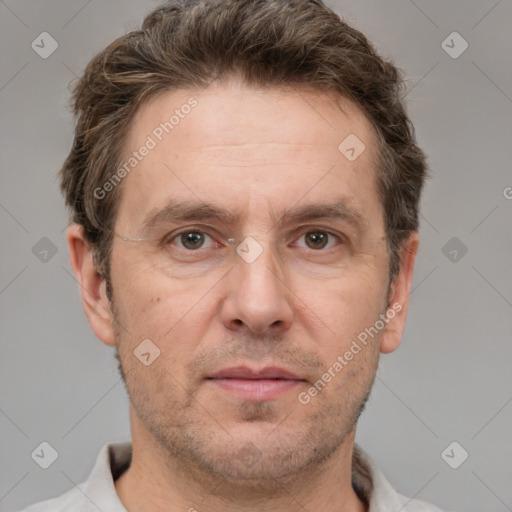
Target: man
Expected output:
[244,185]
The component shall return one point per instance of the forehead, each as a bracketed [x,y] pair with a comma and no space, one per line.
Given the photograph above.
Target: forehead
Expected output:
[228,109]
[243,145]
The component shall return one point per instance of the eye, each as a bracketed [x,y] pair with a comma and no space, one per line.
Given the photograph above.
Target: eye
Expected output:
[190,240]
[318,240]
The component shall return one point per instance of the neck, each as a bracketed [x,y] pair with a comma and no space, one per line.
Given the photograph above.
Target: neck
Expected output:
[156,481]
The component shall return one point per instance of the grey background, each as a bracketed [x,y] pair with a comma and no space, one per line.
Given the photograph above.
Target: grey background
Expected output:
[449,380]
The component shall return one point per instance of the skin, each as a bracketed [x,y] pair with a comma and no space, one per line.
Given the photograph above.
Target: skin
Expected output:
[257,153]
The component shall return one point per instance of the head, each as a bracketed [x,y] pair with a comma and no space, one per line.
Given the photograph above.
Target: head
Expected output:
[218,121]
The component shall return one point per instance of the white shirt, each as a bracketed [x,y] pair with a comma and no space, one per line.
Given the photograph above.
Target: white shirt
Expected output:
[98,491]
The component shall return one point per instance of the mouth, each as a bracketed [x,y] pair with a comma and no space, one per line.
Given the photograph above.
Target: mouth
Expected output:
[259,385]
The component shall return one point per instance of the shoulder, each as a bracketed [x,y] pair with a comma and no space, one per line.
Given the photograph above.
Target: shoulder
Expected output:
[98,491]
[414,505]
[378,491]
[70,501]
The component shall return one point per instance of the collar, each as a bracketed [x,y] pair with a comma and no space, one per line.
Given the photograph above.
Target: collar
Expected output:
[367,480]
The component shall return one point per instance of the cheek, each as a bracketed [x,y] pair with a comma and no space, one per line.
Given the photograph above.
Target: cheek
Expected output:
[342,307]
[173,314]
[142,293]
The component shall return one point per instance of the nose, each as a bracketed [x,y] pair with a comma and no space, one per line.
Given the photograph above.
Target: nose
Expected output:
[257,300]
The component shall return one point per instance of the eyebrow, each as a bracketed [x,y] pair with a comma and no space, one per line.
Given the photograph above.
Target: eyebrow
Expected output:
[185,211]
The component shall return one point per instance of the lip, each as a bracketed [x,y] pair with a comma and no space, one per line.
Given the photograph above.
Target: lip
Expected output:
[260,385]
[244,372]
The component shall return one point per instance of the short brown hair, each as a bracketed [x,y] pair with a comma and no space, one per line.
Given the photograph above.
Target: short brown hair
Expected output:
[185,44]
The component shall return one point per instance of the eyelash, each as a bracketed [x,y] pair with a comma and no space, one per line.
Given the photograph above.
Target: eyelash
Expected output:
[169,239]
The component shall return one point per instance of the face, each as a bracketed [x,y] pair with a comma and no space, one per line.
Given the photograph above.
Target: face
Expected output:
[248,238]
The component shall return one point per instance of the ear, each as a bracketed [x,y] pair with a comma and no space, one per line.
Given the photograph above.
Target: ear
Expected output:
[398,304]
[93,288]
